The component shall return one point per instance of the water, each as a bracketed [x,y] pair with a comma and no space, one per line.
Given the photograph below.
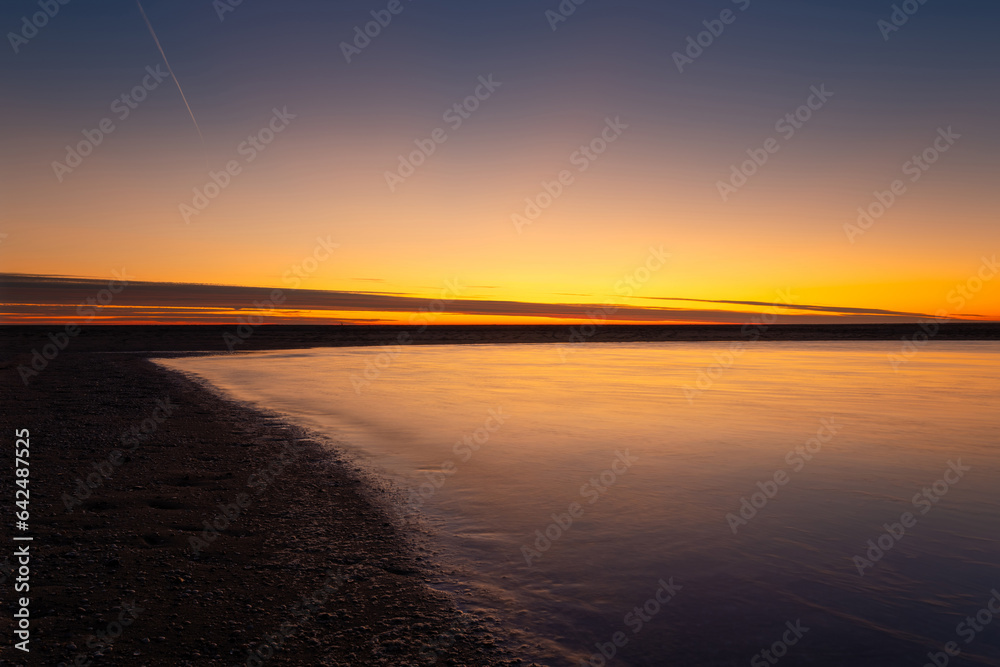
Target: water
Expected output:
[546,431]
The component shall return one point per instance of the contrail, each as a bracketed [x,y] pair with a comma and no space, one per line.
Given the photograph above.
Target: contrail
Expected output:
[169,69]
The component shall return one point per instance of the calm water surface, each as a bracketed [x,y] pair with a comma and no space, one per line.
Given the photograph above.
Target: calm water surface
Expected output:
[487,443]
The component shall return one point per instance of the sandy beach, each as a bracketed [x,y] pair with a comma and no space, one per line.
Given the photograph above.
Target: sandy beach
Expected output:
[127,573]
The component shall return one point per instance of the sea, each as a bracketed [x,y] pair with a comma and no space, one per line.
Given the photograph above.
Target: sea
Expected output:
[647,504]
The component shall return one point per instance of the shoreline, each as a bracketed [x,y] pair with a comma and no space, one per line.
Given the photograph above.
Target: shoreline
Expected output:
[137,555]
[122,559]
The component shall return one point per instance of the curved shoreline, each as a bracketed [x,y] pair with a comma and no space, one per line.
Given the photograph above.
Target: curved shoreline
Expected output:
[221,530]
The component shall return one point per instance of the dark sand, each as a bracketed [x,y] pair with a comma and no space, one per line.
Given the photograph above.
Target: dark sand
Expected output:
[128,543]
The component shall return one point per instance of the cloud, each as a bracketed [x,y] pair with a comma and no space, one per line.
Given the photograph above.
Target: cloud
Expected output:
[796,306]
[25,298]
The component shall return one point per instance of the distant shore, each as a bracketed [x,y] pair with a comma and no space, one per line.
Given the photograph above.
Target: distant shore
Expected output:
[244,338]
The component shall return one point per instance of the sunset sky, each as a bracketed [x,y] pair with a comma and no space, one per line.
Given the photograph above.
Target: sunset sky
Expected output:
[645,225]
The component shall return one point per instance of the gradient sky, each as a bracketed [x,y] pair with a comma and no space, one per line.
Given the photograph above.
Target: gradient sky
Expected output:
[780,238]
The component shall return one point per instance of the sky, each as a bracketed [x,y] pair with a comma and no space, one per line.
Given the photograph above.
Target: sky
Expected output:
[681,162]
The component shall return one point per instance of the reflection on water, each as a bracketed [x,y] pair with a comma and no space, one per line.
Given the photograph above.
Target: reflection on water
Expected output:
[597,503]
